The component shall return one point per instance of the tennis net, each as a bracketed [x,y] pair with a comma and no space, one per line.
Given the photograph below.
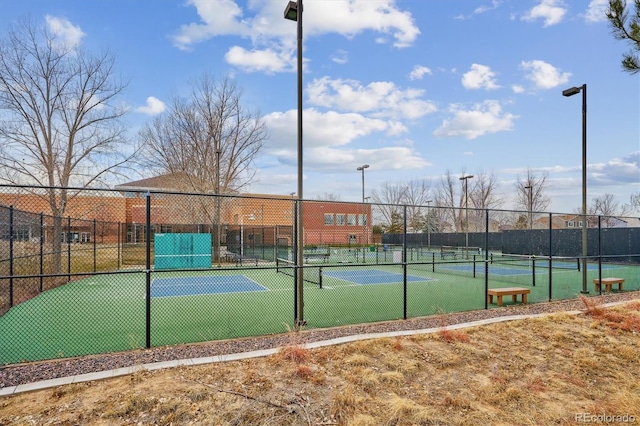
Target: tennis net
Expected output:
[310,274]
[529,261]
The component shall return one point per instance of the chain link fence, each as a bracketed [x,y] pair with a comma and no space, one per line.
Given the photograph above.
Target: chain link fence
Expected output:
[126,270]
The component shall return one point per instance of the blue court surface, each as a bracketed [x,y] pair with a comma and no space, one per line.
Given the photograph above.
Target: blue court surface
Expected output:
[189,286]
[371,276]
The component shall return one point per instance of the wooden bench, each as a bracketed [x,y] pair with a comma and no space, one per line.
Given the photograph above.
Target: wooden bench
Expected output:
[310,257]
[608,283]
[447,251]
[508,291]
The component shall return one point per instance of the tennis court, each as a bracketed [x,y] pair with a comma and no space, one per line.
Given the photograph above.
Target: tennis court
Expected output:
[371,276]
[106,313]
[189,286]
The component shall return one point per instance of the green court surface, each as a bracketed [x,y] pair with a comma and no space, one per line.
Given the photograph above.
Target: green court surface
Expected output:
[106,313]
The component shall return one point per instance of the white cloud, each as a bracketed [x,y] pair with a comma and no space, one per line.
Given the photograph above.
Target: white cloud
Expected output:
[340,57]
[272,38]
[482,119]
[617,171]
[388,158]
[418,72]
[321,128]
[68,36]
[380,98]
[328,137]
[544,75]
[218,18]
[351,17]
[480,77]
[551,11]
[517,88]
[484,8]
[267,60]
[154,106]
[596,11]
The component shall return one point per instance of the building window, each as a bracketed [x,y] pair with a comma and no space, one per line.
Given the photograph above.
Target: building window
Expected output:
[362,220]
[571,224]
[340,219]
[351,219]
[580,224]
[328,218]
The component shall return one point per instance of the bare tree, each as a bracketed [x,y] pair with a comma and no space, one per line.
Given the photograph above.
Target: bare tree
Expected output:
[61,123]
[530,195]
[477,193]
[417,196]
[483,196]
[607,207]
[388,200]
[618,15]
[208,138]
[450,200]
[634,200]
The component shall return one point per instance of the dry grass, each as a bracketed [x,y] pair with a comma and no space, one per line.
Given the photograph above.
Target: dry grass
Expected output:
[545,370]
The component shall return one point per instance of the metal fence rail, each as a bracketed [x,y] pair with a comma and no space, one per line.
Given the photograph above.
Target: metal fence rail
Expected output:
[125,271]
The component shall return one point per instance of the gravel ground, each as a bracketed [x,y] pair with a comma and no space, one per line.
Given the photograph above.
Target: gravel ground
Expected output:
[16,374]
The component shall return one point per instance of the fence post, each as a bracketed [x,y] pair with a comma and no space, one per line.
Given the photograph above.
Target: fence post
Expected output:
[600,251]
[69,248]
[10,256]
[294,255]
[550,257]
[404,263]
[94,245]
[41,250]
[148,270]
[118,245]
[486,258]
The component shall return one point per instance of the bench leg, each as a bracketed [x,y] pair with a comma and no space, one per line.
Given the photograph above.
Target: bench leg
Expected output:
[524,299]
[514,298]
[490,298]
[607,287]
[597,287]
[620,286]
[499,300]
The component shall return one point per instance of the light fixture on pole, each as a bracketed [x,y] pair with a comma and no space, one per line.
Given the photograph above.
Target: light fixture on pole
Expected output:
[530,204]
[466,210]
[570,92]
[293,12]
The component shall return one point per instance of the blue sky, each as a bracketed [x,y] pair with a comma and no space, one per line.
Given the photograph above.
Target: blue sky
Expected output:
[413,88]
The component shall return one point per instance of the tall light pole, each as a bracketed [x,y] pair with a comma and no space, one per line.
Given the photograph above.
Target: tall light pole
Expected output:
[530,204]
[293,12]
[570,92]
[361,168]
[218,201]
[466,210]
[250,216]
[427,202]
